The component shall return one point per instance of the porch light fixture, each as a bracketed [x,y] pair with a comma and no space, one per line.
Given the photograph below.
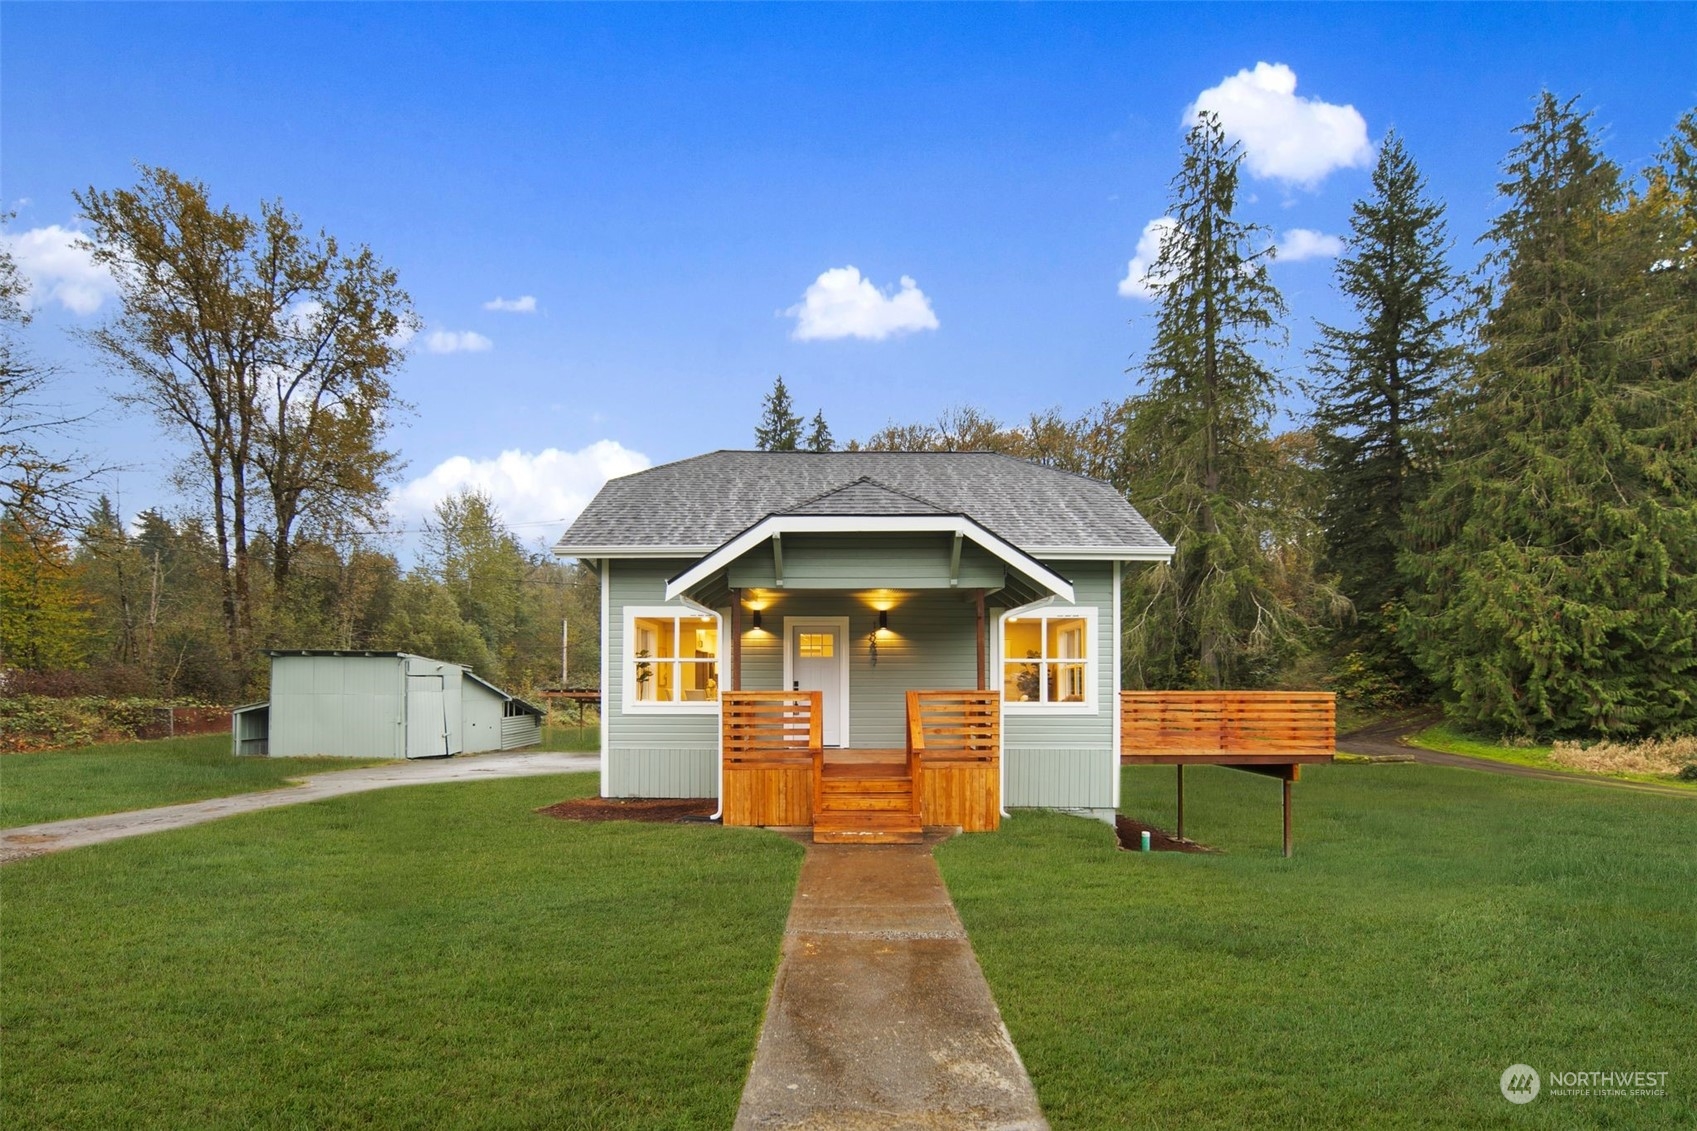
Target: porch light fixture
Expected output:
[756,622]
[883,620]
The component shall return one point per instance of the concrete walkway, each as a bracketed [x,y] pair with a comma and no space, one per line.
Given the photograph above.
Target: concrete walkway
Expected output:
[880,1016]
[56,836]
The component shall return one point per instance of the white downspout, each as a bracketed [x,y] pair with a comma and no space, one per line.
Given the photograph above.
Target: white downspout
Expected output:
[719,730]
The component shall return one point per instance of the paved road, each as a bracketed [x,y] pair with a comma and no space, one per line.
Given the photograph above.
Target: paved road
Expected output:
[1389,740]
[56,836]
[880,1016]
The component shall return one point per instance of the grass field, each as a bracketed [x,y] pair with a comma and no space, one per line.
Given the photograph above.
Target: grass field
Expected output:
[438,956]
[1449,740]
[571,738]
[1434,927]
[111,777]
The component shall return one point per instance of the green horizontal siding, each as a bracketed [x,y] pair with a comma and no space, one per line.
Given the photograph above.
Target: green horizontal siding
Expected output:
[874,561]
[931,644]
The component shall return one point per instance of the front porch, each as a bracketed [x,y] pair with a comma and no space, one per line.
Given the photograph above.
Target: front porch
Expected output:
[776,770]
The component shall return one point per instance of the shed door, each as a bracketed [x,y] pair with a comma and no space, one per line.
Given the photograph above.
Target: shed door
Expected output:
[427,717]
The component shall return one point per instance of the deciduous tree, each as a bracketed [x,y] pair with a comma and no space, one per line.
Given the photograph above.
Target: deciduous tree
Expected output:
[269,348]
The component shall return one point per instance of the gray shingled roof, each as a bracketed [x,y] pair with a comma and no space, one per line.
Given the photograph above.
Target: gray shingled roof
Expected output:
[694,505]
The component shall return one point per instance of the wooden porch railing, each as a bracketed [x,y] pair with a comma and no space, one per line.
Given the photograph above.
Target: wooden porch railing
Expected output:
[1227,727]
[954,750]
[773,753]
[1265,732]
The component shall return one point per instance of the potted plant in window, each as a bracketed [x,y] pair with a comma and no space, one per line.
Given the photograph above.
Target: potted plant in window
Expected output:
[1027,682]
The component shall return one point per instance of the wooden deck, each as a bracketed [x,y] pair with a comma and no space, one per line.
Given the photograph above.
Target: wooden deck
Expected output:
[776,772]
[1274,733]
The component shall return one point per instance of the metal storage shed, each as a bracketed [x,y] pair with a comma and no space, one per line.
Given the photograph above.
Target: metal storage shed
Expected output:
[360,704]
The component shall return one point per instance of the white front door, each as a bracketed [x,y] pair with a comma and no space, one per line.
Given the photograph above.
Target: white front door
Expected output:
[816,659]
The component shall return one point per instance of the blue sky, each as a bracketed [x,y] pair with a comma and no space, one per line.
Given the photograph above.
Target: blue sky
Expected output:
[666,182]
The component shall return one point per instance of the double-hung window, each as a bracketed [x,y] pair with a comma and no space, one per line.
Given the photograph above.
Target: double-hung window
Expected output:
[1049,660]
[671,659]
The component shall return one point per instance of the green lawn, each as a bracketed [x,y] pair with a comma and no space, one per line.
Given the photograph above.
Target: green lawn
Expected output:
[111,777]
[1449,740]
[436,956]
[1434,927]
[571,738]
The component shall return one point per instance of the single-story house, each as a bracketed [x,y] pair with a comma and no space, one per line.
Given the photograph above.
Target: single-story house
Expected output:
[359,704]
[845,581]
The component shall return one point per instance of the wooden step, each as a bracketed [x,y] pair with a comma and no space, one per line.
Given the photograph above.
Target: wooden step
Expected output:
[866,836]
[867,827]
[866,802]
[867,785]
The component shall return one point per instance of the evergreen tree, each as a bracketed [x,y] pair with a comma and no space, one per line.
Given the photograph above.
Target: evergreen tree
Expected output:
[1199,459]
[1552,570]
[819,439]
[779,429]
[1374,386]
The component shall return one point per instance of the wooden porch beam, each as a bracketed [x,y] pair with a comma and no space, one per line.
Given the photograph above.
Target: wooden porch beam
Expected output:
[736,640]
[983,675]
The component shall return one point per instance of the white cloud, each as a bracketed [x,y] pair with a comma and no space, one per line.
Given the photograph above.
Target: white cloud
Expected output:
[842,304]
[538,493]
[456,341]
[59,267]
[1306,243]
[1139,281]
[524,304]
[1285,136]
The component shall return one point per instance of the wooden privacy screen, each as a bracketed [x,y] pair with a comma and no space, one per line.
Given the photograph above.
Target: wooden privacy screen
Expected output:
[954,742]
[1227,727]
[770,739]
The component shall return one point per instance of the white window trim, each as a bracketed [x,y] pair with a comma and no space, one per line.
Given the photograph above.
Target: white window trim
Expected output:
[1053,610]
[630,704]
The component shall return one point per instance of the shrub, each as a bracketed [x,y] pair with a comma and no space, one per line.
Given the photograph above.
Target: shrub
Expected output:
[1651,756]
[1689,773]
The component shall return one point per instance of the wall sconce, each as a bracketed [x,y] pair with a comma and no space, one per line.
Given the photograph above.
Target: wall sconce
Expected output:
[883,620]
[756,622]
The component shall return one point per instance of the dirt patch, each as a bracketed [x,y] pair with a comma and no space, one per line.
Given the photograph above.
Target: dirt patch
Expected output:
[1131,838]
[662,810]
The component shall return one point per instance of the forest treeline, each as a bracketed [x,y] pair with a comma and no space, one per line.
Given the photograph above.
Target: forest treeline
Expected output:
[1493,502]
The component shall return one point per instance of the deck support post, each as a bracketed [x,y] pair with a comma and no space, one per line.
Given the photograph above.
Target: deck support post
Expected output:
[1287,815]
[736,640]
[1180,769]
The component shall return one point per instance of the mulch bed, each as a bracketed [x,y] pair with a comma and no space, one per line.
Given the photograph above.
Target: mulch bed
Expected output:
[1131,838]
[662,811]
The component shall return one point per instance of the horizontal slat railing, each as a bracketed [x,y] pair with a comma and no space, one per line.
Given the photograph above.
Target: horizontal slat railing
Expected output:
[954,755]
[1268,724]
[772,746]
[766,726]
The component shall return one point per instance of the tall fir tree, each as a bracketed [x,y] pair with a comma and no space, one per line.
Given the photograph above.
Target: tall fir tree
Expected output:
[1199,460]
[779,429]
[1374,385]
[819,437]
[1552,569]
